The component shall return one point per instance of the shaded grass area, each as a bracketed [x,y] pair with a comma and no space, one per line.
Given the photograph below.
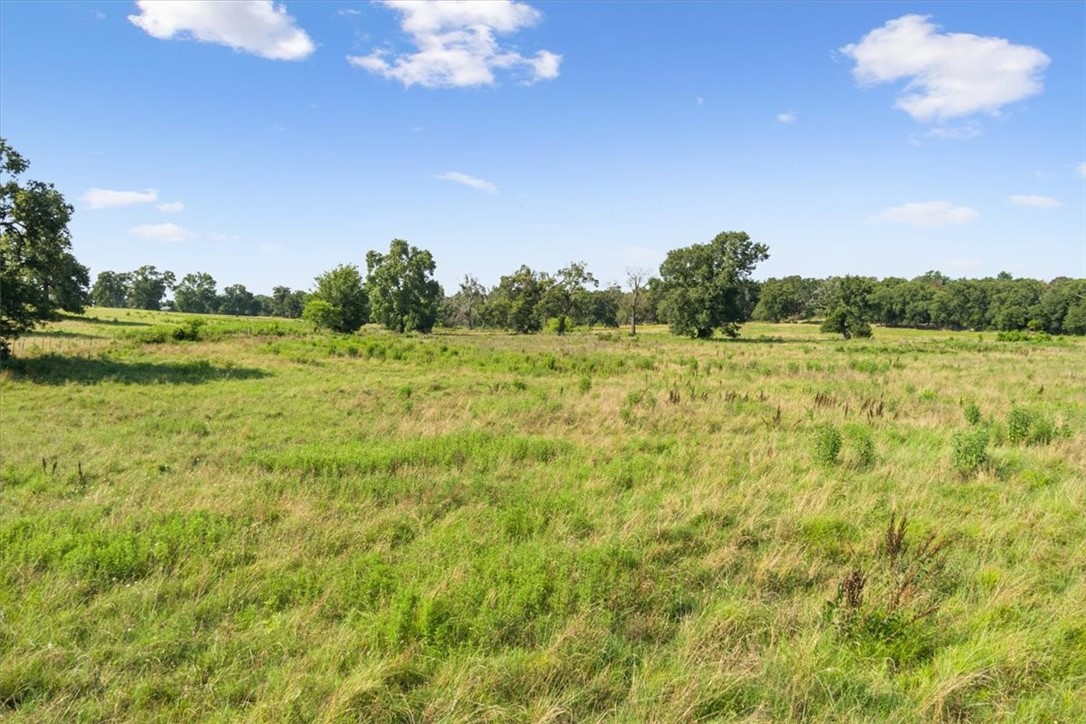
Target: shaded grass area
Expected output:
[482,527]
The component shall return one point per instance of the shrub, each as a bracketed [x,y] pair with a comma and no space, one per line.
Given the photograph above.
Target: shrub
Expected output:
[827,445]
[863,447]
[970,451]
[972,413]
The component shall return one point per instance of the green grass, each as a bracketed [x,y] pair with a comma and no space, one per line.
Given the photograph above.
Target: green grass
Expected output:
[251,521]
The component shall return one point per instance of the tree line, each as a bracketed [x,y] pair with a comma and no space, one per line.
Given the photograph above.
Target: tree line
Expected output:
[700,290]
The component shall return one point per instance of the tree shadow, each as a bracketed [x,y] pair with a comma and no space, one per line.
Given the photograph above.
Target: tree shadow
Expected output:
[59,334]
[55,369]
[101,320]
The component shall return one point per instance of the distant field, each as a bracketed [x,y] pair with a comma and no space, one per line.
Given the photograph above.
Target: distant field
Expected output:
[269,524]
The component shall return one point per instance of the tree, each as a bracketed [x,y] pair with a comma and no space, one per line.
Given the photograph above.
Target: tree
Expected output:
[322,314]
[567,297]
[286,303]
[110,290]
[848,306]
[195,294]
[468,301]
[148,287]
[708,286]
[790,298]
[514,303]
[403,294]
[238,301]
[343,289]
[39,276]
[636,278]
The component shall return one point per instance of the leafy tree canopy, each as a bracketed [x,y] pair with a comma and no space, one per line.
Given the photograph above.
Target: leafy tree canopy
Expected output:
[38,274]
[708,286]
[403,294]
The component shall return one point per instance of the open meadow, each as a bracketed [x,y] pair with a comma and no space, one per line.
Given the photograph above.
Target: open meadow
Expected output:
[260,522]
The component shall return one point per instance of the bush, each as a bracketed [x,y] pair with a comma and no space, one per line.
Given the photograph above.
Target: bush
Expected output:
[972,413]
[863,448]
[827,445]
[970,451]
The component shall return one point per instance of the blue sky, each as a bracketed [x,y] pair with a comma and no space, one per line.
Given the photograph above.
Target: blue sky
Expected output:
[265,143]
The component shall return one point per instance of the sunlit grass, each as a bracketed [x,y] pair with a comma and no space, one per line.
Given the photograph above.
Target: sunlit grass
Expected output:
[266,523]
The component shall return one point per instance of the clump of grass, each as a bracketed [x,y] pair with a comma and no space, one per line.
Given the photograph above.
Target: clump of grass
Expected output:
[970,451]
[827,445]
[1028,427]
[863,447]
[585,384]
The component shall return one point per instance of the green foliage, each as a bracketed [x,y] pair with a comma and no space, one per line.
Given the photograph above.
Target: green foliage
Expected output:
[514,303]
[403,294]
[38,274]
[847,306]
[1025,426]
[705,287]
[970,451]
[345,294]
[971,411]
[862,447]
[827,445]
[195,293]
[147,287]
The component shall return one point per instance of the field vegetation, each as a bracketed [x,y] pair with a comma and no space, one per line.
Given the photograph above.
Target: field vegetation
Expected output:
[239,518]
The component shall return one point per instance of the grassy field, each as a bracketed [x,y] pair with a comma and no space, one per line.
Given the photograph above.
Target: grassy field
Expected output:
[267,524]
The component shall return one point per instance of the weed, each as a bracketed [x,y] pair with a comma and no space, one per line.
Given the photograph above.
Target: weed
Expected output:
[972,413]
[827,445]
[970,451]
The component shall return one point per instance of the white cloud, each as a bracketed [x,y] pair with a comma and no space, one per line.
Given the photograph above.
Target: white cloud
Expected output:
[962,132]
[106,199]
[949,74]
[1082,169]
[348,12]
[259,27]
[163,232]
[1037,202]
[171,208]
[456,45]
[787,117]
[928,214]
[475,183]
[214,236]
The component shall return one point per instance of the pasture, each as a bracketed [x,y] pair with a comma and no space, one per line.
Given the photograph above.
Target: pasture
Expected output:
[262,523]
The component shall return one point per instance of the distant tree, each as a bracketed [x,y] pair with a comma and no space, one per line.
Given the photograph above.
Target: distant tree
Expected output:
[567,298]
[469,300]
[110,290]
[148,286]
[604,306]
[708,286]
[636,279]
[286,303]
[403,294]
[238,301]
[343,289]
[195,294]
[514,303]
[38,274]
[263,304]
[791,298]
[848,307]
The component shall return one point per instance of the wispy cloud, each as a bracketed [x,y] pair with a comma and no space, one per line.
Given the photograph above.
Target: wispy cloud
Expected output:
[163,232]
[216,236]
[1082,169]
[259,27]
[1037,202]
[787,117]
[473,182]
[108,199]
[171,208]
[457,46]
[948,74]
[927,214]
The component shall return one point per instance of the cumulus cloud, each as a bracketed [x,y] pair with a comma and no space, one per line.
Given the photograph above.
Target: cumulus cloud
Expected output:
[107,199]
[171,208]
[787,117]
[260,27]
[1037,202]
[928,214]
[163,232]
[456,44]
[475,183]
[948,74]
